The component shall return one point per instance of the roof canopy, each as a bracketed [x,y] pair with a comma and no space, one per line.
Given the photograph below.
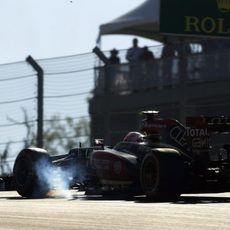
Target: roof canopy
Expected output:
[142,21]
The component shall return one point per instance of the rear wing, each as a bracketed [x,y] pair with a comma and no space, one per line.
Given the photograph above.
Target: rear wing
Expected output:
[213,124]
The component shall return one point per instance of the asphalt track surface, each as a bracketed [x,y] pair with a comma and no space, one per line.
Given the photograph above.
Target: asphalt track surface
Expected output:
[77,211]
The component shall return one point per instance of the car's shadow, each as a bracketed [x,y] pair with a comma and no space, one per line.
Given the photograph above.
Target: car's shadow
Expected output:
[202,199]
[183,199]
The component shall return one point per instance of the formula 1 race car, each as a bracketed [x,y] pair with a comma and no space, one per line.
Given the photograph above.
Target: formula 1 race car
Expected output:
[162,161]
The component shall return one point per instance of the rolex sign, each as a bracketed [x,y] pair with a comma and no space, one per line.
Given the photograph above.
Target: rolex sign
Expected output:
[195,17]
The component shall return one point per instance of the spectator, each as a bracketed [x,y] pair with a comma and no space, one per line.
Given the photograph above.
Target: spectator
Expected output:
[133,53]
[221,43]
[147,66]
[222,48]
[168,50]
[135,74]
[212,45]
[167,55]
[114,59]
[146,54]
[183,48]
[207,45]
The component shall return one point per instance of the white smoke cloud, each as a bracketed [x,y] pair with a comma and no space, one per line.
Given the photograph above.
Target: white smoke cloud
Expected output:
[57,179]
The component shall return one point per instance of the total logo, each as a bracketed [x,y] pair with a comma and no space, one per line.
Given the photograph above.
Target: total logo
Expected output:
[179,134]
[192,132]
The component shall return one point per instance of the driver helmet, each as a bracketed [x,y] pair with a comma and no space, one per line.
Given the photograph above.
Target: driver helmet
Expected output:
[134,137]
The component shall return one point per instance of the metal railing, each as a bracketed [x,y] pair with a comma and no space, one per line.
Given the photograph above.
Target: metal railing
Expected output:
[126,78]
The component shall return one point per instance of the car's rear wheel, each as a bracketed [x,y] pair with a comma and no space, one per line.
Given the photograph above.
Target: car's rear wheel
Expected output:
[31,173]
[161,175]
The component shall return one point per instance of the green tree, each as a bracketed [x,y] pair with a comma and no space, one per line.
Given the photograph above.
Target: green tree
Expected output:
[4,165]
[60,135]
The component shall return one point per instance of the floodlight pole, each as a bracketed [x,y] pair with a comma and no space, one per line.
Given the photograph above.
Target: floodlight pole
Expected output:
[40,90]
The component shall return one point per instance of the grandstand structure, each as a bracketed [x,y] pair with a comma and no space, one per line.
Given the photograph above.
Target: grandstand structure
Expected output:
[195,84]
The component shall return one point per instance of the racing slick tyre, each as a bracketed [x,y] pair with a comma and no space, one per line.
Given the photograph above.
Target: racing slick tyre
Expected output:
[162,174]
[31,173]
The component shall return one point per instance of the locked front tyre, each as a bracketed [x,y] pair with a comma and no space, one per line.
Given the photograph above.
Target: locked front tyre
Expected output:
[32,171]
[162,175]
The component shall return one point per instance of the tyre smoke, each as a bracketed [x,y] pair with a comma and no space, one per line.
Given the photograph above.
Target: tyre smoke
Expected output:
[57,180]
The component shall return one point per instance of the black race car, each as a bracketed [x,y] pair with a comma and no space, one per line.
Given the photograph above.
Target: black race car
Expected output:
[161,161]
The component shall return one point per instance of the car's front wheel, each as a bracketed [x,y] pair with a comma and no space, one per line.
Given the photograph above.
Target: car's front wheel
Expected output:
[31,173]
[161,175]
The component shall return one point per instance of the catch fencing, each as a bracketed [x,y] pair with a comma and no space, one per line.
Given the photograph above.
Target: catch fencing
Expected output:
[68,83]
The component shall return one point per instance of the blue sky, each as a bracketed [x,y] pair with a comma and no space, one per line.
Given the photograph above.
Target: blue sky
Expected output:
[53,28]
[46,29]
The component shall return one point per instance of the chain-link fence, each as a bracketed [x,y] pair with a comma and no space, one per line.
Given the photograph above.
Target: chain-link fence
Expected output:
[68,82]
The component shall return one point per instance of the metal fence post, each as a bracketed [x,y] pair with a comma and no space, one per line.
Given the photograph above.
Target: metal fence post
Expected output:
[40,89]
